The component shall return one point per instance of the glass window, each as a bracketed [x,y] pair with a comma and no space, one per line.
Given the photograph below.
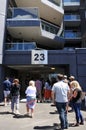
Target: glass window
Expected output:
[20,46]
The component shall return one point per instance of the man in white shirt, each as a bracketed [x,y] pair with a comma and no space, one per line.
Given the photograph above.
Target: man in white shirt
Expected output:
[60,92]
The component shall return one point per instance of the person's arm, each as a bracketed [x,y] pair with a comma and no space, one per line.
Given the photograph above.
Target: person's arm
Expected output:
[69,95]
[75,93]
[53,96]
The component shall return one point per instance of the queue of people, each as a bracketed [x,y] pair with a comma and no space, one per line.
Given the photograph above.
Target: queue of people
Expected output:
[61,92]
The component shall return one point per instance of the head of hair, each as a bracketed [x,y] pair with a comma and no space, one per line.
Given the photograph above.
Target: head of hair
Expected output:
[65,76]
[31,83]
[75,84]
[16,80]
[6,77]
[60,77]
[71,78]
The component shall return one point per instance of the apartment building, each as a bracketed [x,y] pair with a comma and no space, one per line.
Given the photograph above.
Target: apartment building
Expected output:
[83,22]
[39,39]
[74,34]
[72,24]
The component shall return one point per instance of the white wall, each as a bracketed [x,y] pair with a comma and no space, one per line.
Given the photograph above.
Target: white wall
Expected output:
[3,4]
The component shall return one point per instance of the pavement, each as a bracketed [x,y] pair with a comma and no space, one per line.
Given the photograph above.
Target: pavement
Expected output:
[45,118]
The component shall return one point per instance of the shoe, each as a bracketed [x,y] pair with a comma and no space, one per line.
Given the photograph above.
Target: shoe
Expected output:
[70,110]
[66,127]
[17,112]
[5,105]
[13,112]
[77,124]
[27,115]
[81,123]
[32,115]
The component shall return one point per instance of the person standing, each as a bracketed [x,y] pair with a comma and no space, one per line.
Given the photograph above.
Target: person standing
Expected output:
[77,100]
[38,84]
[71,78]
[47,91]
[30,97]
[15,95]
[60,92]
[7,86]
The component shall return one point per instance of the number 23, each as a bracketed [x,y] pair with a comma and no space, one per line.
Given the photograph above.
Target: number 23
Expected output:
[38,57]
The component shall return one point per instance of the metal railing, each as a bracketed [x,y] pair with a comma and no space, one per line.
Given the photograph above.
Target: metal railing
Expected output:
[22,13]
[71,34]
[71,17]
[71,0]
[23,46]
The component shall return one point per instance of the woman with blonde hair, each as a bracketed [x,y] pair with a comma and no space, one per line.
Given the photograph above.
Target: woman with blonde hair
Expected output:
[76,100]
[75,84]
[30,97]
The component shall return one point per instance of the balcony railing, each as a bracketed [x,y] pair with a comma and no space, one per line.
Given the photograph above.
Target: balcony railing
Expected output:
[71,0]
[72,17]
[71,34]
[20,46]
[22,13]
[31,13]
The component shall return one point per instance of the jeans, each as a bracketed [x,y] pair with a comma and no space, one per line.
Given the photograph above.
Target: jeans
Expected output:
[61,107]
[77,108]
[15,100]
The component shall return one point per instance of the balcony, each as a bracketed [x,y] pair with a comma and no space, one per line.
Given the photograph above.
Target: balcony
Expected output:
[70,19]
[73,37]
[54,8]
[22,13]
[71,4]
[24,46]
[71,1]
[24,23]
[71,34]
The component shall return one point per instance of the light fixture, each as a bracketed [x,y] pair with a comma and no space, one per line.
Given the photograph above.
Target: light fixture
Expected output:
[52,68]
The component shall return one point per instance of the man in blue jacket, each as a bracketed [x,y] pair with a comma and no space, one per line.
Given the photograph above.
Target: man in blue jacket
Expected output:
[6,87]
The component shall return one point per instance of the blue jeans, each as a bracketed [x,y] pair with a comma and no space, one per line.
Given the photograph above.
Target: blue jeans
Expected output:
[61,107]
[77,108]
[15,100]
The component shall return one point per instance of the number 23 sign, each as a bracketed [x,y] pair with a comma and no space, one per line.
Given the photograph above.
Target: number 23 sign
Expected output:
[39,57]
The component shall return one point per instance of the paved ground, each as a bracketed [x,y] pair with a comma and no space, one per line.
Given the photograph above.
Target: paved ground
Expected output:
[45,118]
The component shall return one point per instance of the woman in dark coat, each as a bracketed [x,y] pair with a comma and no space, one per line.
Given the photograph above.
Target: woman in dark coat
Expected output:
[15,95]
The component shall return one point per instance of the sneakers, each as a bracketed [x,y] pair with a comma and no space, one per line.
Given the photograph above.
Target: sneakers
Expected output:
[17,112]
[81,123]
[77,124]
[32,115]
[5,104]
[27,114]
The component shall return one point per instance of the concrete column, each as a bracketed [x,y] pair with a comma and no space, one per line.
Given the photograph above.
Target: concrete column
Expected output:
[3,8]
[61,4]
[3,5]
